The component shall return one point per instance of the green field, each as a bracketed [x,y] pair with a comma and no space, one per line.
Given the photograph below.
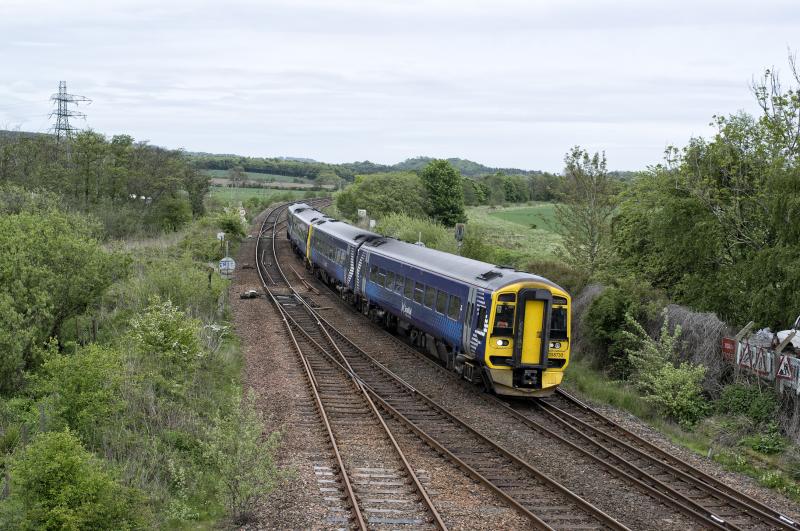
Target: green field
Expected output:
[241,194]
[538,215]
[253,176]
[512,228]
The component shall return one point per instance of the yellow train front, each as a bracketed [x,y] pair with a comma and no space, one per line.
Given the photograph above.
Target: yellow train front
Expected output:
[526,336]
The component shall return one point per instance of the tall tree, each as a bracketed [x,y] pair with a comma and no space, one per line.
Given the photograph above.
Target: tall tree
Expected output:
[445,193]
[588,200]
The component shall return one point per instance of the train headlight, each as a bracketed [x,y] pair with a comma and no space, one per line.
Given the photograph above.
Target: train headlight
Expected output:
[502,342]
[555,345]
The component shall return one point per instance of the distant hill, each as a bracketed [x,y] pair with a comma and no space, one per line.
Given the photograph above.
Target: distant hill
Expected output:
[467,168]
[312,169]
[6,133]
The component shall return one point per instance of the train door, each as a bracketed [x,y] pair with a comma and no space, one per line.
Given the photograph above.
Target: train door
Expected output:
[469,317]
[531,329]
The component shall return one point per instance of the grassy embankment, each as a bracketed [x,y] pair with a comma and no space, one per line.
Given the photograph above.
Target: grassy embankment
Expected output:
[527,230]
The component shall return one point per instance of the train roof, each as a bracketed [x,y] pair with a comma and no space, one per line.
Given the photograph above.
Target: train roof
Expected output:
[305,213]
[474,272]
[344,231]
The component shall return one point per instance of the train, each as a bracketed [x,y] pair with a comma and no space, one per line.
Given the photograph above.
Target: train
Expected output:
[506,330]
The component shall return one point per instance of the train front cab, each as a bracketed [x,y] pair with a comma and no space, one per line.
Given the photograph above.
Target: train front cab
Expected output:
[528,345]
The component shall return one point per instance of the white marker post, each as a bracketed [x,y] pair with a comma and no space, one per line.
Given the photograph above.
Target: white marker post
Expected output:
[227,265]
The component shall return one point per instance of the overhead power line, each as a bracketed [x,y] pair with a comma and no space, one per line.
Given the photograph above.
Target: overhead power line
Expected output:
[62,113]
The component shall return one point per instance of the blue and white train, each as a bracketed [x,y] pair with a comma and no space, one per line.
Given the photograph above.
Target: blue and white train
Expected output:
[493,325]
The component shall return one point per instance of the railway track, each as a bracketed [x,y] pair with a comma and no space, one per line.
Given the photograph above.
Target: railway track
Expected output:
[380,487]
[546,503]
[697,495]
[664,470]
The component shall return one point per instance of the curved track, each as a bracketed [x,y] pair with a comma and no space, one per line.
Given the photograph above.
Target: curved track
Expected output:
[382,488]
[547,504]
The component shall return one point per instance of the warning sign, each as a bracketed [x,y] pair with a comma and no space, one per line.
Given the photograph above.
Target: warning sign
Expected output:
[760,364]
[746,356]
[728,348]
[784,371]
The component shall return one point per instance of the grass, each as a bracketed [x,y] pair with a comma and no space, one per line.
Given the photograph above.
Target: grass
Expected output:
[536,216]
[508,230]
[241,194]
[255,176]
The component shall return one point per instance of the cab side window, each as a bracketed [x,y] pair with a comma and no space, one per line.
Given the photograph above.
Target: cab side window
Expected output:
[503,320]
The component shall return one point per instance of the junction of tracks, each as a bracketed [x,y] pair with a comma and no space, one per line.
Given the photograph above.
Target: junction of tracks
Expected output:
[376,435]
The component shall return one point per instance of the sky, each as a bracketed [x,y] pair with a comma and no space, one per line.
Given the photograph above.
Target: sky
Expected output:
[505,83]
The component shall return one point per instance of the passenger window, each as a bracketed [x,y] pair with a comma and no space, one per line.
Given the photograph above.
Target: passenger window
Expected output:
[390,280]
[381,277]
[503,320]
[454,310]
[373,274]
[430,295]
[441,302]
[408,290]
[398,284]
[419,293]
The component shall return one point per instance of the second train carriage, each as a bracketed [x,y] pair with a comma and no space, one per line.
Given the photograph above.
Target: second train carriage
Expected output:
[505,328]
[333,247]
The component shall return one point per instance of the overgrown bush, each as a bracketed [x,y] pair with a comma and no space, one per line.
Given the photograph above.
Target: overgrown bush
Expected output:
[57,484]
[167,342]
[607,327]
[768,441]
[243,457]
[83,390]
[757,404]
[188,284]
[230,222]
[675,391]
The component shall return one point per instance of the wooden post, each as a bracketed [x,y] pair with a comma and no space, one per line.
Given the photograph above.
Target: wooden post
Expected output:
[785,342]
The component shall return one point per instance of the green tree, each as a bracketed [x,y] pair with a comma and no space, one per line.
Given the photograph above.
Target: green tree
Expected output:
[718,224]
[584,215]
[237,176]
[381,194]
[52,268]
[57,484]
[84,390]
[444,193]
